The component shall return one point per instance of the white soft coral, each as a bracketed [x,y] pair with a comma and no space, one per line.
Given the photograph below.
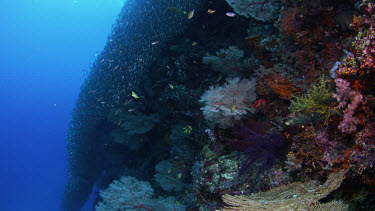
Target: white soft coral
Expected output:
[229,103]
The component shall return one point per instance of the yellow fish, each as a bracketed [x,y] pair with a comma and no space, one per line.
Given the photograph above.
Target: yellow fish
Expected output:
[210,11]
[170,85]
[188,129]
[232,107]
[194,43]
[134,95]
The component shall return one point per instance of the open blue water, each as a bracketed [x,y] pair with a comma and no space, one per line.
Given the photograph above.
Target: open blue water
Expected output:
[45,50]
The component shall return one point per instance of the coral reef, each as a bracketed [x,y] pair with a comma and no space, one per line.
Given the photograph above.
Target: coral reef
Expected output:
[260,117]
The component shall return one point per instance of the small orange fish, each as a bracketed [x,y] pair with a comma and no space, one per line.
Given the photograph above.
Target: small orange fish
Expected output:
[93,91]
[101,61]
[210,11]
[117,111]
[154,43]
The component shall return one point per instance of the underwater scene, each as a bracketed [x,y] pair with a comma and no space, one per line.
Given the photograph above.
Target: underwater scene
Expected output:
[228,105]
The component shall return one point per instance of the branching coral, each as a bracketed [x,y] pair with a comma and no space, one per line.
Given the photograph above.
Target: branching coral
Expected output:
[258,146]
[316,101]
[343,95]
[282,86]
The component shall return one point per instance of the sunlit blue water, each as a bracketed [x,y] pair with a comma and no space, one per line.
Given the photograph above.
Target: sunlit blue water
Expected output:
[45,50]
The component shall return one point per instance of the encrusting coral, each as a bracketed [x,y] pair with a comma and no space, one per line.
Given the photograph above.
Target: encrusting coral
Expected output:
[296,196]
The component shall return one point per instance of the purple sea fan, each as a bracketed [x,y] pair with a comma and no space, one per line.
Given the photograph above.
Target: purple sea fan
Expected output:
[251,140]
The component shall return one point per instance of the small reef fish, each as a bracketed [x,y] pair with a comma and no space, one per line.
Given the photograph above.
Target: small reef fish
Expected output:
[93,91]
[230,14]
[154,43]
[118,110]
[190,14]
[171,86]
[116,68]
[335,112]
[131,109]
[134,95]
[179,176]
[194,43]
[188,129]
[232,107]
[219,77]
[108,60]
[119,123]
[176,10]
[210,11]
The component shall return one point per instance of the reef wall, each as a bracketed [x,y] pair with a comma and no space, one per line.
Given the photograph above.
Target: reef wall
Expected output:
[117,71]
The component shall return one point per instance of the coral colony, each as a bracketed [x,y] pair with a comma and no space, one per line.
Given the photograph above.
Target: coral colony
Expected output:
[229,105]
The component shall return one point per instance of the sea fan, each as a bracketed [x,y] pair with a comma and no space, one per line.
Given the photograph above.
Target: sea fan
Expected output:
[258,146]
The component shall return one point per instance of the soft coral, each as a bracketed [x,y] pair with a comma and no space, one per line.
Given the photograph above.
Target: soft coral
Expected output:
[251,140]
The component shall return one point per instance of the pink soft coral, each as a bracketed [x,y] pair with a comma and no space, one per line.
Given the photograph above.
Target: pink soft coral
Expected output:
[343,94]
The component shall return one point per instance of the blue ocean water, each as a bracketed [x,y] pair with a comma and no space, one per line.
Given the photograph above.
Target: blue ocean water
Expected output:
[46,50]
